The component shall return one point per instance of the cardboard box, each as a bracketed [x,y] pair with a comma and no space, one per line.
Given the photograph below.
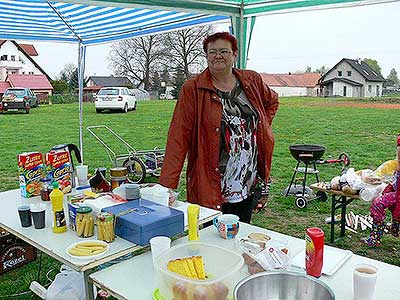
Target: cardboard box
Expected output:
[148,220]
[59,168]
[30,170]
[14,252]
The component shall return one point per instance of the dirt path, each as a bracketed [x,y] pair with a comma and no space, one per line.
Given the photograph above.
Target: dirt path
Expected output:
[360,105]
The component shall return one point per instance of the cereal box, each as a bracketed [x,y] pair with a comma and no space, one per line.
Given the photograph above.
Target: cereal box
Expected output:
[58,168]
[30,170]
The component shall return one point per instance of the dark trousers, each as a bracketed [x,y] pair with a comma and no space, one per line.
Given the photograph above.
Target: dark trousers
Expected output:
[242,209]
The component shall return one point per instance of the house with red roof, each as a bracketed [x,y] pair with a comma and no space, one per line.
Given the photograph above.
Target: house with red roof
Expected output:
[19,69]
[297,84]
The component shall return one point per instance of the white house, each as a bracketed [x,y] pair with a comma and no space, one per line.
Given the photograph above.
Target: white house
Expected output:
[297,84]
[17,59]
[351,78]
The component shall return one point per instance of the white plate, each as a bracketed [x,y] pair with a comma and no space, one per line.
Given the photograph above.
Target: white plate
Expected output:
[91,256]
[334,258]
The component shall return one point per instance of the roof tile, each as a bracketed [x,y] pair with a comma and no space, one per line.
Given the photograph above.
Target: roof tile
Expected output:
[291,80]
[29,81]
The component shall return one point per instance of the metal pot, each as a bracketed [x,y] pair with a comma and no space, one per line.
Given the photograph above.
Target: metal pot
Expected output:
[282,286]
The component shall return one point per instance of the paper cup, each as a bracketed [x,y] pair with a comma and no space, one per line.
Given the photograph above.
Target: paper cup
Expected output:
[82,174]
[24,212]
[364,281]
[158,246]
[38,212]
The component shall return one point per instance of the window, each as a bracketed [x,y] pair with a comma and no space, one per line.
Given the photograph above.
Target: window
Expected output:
[344,91]
[3,57]
[349,73]
[23,72]
[369,88]
[339,73]
[12,57]
[30,73]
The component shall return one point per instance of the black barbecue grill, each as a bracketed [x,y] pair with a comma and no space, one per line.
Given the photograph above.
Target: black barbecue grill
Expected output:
[308,156]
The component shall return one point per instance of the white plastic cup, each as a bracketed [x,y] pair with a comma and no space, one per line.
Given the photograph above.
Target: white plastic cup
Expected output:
[364,281]
[82,174]
[159,244]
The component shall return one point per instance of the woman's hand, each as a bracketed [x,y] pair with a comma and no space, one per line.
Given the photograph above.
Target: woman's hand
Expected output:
[172,197]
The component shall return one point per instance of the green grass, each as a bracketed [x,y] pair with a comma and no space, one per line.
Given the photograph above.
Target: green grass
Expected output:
[367,135]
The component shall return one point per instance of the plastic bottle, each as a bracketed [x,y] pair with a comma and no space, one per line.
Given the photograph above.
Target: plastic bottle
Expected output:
[56,197]
[314,251]
[193,222]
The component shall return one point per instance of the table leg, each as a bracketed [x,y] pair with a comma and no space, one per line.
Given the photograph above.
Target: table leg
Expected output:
[333,219]
[343,220]
[88,285]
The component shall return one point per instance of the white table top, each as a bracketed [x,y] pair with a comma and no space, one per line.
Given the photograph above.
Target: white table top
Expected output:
[134,279]
[55,244]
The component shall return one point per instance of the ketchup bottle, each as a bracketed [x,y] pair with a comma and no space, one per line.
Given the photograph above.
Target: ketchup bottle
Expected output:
[314,251]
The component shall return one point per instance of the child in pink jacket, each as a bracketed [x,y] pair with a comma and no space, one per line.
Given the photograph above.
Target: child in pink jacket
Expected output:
[390,199]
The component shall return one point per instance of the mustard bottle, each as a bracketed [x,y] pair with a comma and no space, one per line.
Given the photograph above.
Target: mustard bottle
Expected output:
[193,221]
[56,198]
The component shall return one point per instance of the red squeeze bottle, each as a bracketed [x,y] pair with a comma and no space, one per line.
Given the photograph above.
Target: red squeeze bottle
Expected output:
[314,251]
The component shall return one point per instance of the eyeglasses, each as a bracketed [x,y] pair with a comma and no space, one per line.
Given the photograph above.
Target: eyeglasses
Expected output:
[223,52]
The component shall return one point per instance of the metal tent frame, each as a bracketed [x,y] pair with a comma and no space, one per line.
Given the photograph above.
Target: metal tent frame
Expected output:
[89,22]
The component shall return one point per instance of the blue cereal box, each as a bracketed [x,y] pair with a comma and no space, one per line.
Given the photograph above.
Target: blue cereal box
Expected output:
[140,220]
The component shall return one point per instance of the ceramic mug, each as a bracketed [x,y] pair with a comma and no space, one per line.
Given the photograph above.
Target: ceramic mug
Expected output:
[227,225]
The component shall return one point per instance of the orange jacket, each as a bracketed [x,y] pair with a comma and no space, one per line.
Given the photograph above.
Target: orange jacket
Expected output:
[195,131]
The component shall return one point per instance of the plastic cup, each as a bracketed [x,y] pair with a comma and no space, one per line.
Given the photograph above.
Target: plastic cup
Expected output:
[364,281]
[24,212]
[38,212]
[82,174]
[158,245]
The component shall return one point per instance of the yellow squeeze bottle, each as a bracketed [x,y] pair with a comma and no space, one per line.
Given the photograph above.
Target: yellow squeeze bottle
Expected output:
[193,220]
[56,198]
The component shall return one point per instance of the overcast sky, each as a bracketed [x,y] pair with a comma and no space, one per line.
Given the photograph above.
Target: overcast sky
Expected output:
[283,43]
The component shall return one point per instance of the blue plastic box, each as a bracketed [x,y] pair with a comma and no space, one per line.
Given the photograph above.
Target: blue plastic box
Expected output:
[148,220]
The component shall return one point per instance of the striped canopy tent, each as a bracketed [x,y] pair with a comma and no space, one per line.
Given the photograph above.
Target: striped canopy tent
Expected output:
[89,22]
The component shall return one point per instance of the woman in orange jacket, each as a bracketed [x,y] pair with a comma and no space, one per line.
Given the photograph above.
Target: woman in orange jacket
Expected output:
[222,123]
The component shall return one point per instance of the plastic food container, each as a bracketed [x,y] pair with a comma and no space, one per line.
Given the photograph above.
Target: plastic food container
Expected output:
[84,222]
[222,268]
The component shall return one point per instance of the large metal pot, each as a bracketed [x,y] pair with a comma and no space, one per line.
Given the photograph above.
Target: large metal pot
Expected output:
[282,286]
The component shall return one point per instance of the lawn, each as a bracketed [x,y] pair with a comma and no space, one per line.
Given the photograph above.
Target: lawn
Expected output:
[367,135]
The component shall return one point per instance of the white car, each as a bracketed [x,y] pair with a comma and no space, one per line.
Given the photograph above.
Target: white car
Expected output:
[115,98]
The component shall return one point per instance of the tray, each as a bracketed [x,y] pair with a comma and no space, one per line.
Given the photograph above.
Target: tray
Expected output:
[334,258]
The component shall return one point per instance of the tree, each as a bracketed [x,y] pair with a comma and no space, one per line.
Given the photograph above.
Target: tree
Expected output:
[393,76]
[73,83]
[138,58]
[59,86]
[185,49]
[322,70]
[374,65]
[69,74]
[179,79]
[308,69]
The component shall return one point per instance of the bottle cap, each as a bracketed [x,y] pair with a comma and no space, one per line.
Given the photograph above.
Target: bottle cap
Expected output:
[55,184]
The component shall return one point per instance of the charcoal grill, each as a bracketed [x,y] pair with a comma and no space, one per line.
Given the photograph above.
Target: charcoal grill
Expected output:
[307,157]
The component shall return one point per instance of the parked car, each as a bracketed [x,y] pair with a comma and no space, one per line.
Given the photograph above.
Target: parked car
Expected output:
[15,99]
[115,98]
[167,96]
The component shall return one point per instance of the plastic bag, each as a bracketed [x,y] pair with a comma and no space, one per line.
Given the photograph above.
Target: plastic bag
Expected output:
[68,285]
[370,192]
[353,180]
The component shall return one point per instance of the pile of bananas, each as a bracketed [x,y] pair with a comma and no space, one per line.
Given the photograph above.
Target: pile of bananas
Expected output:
[88,248]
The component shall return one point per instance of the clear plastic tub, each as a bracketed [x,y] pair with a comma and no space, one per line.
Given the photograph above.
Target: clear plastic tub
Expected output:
[222,269]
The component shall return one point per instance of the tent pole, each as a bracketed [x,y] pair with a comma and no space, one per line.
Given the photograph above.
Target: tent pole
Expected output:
[81,74]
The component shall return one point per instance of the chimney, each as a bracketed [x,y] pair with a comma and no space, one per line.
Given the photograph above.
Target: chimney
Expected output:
[359,61]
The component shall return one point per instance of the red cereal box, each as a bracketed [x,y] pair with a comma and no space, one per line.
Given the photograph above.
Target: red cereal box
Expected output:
[30,170]
[58,168]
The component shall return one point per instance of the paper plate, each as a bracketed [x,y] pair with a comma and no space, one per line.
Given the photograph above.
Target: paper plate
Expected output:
[91,256]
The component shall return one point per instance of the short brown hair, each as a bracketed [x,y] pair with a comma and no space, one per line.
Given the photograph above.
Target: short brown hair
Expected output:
[220,36]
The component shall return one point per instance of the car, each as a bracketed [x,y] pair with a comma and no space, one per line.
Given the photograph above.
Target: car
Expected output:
[167,96]
[15,99]
[115,98]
